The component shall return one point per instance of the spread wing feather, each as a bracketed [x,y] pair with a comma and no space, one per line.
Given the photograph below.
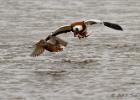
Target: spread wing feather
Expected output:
[108,24]
[39,48]
[61,30]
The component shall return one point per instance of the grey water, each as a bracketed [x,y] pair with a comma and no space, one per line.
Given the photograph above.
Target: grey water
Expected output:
[104,66]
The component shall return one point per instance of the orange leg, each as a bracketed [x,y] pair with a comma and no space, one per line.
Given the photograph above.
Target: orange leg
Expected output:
[83,35]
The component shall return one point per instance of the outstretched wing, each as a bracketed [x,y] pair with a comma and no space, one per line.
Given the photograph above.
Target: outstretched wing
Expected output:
[39,48]
[108,24]
[93,22]
[113,26]
[61,30]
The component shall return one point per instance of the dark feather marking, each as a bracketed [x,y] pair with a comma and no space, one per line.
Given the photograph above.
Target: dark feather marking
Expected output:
[113,25]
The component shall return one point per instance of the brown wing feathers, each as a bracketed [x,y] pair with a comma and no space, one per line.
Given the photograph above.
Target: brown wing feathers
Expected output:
[39,48]
[54,44]
[61,30]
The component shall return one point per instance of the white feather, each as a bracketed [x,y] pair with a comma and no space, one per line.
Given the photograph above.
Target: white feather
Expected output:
[97,21]
[78,26]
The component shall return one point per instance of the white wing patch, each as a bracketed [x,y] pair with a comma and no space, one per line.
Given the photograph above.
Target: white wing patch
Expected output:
[93,21]
[98,21]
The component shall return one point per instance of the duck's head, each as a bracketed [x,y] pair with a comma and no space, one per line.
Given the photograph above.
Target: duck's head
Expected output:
[78,27]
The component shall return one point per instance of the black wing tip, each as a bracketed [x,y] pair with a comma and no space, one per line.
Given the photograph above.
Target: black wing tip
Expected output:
[113,26]
[121,29]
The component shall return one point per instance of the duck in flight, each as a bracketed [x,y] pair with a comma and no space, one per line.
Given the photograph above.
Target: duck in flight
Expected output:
[79,29]
[54,44]
[51,43]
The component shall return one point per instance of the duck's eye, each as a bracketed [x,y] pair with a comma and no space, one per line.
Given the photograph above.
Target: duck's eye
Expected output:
[77,28]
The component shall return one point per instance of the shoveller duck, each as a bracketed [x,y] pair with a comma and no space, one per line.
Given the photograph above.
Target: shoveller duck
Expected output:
[51,43]
[54,44]
[79,29]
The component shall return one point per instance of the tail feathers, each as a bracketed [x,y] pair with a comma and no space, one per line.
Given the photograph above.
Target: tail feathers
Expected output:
[39,48]
[113,26]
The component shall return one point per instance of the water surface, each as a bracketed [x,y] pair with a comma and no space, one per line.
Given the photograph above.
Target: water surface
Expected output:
[97,68]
